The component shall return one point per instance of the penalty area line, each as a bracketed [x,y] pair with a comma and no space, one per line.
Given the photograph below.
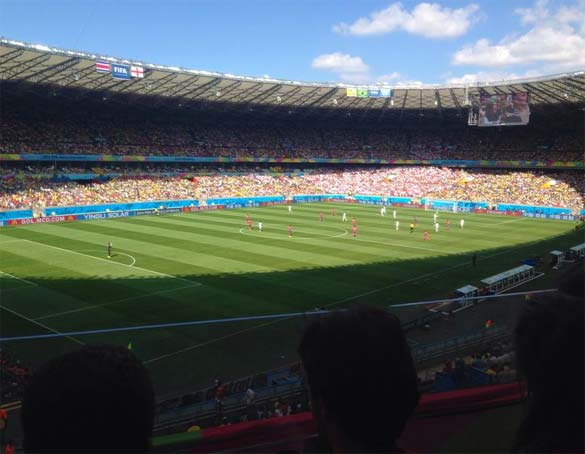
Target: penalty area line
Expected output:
[122,300]
[115,263]
[335,303]
[42,325]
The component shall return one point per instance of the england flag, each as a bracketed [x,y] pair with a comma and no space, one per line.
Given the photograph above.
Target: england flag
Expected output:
[137,71]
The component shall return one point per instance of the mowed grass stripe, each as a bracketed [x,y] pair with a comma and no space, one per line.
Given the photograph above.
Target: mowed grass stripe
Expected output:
[210,250]
[287,249]
[150,244]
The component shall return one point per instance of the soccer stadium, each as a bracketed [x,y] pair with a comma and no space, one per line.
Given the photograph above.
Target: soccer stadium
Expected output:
[219,230]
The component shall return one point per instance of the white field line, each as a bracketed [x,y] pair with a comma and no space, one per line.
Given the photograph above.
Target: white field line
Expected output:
[122,300]
[335,303]
[18,314]
[320,237]
[19,278]
[115,263]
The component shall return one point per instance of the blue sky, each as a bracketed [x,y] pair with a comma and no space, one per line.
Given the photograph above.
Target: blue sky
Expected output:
[365,41]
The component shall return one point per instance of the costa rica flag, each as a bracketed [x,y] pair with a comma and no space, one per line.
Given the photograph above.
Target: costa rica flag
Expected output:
[102,67]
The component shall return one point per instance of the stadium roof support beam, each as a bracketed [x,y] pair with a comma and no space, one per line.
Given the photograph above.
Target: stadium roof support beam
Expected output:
[455,99]
[11,56]
[192,94]
[318,101]
[547,93]
[567,90]
[24,66]
[284,99]
[69,79]
[264,95]
[47,73]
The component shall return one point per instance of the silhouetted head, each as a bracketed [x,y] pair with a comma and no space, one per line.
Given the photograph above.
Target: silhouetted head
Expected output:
[97,399]
[361,376]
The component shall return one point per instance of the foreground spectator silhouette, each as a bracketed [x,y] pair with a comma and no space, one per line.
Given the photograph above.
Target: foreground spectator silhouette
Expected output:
[97,399]
[362,380]
[550,350]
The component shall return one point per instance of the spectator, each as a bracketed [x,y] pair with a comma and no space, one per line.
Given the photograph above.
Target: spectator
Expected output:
[97,399]
[361,377]
[550,350]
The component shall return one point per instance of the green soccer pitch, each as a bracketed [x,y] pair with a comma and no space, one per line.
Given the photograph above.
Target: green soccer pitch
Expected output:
[58,278]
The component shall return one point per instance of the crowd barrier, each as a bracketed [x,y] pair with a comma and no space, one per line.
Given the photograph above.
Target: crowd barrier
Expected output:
[280,434]
[281,160]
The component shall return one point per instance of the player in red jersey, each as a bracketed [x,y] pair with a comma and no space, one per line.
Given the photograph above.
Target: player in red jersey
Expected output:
[447,223]
[321,216]
[353,222]
[249,222]
[426,235]
[354,231]
[290,231]
[333,212]
[247,217]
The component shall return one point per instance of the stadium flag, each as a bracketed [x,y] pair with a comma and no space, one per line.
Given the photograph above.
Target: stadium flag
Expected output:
[351,92]
[102,67]
[375,93]
[121,71]
[362,92]
[137,71]
[385,93]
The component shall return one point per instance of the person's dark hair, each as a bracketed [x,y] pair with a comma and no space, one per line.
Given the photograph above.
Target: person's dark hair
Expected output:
[550,350]
[360,370]
[97,399]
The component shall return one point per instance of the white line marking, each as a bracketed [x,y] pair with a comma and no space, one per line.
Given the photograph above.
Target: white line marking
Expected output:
[335,303]
[115,253]
[20,279]
[40,324]
[321,236]
[115,263]
[122,300]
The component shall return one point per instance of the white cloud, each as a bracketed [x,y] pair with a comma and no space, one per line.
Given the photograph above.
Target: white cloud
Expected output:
[426,19]
[490,76]
[388,78]
[555,40]
[348,68]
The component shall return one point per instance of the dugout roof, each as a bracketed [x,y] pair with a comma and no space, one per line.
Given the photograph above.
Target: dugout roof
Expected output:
[23,65]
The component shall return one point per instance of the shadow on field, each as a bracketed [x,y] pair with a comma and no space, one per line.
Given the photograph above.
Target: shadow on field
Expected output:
[183,357]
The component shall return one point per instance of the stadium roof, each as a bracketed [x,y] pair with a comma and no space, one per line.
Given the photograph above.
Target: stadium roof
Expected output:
[24,64]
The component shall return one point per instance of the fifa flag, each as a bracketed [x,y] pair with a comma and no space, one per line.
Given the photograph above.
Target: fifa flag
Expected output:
[137,71]
[102,67]
[121,71]
[351,92]
[362,92]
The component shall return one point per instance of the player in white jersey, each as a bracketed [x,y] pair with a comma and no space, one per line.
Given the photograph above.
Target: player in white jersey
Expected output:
[435,217]
[290,208]
[344,217]
[461,223]
[259,226]
[397,225]
[383,211]
[394,214]
[436,227]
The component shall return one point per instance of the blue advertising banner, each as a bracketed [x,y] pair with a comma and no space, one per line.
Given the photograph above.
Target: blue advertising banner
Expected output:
[121,71]
[375,93]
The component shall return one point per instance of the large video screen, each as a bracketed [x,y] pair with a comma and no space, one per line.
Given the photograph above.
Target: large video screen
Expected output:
[504,110]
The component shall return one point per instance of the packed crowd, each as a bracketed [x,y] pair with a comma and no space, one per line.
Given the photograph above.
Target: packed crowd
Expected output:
[558,189]
[83,134]
[13,377]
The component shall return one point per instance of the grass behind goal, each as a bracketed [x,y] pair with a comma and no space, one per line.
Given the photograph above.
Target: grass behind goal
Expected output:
[208,265]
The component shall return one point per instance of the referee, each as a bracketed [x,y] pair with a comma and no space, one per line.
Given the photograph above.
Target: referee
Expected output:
[109,249]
